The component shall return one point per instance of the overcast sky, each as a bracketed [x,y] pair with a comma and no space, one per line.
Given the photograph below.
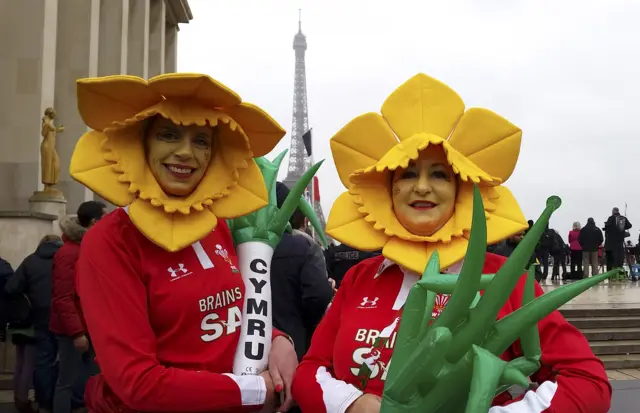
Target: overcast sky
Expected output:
[565,71]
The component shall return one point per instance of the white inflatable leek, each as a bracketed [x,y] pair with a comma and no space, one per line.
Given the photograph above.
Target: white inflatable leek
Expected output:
[256,237]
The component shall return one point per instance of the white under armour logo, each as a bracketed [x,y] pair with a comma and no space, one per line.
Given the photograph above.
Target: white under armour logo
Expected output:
[369,303]
[174,273]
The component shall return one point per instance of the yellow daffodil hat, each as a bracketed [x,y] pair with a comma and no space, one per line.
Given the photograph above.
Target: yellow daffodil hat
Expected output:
[110,159]
[480,146]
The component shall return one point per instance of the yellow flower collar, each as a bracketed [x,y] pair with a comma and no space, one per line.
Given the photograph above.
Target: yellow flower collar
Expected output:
[480,146]
[110,159]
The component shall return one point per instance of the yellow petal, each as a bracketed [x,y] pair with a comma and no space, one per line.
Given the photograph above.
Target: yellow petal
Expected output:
[507,219]
[422,104]
[249,195]
[485,137]
[415,255]
[113,98]
[348,226]
[360,144]
[89,167]
[466,169]
[263,131]
[171,232]
[195,86]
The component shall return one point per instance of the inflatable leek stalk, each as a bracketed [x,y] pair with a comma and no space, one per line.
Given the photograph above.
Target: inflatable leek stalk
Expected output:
[452,364]
[256,237]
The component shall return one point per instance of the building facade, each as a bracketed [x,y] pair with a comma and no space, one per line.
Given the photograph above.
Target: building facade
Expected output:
[46,46]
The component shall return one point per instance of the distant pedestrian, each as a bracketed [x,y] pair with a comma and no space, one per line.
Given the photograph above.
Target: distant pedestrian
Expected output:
[616,229]
[576,251]
[590,240]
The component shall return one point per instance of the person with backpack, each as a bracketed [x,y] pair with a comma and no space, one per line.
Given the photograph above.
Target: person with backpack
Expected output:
[616,229]
[29,290]
[543,250]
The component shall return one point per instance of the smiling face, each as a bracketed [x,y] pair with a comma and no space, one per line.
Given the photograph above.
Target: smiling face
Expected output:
[178,156]
[424,194]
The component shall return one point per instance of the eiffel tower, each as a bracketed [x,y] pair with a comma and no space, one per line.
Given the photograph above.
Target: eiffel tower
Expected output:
[299,162]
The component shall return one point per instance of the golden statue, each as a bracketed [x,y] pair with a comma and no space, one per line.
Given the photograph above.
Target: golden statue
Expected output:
[49,159]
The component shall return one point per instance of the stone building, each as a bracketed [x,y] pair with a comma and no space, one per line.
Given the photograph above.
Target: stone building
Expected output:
[46,46]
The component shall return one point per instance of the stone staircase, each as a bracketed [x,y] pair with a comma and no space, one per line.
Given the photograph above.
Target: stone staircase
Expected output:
[613,333]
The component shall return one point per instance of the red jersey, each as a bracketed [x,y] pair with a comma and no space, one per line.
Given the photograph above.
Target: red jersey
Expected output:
[165,325]
[366,306]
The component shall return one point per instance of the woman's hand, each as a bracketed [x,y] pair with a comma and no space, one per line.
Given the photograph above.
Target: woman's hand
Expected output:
[270,399]
[282,365]
[367,403]
[333,285]
[81,343]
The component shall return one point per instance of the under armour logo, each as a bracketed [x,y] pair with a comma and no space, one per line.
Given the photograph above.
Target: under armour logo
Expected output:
[174,273]
[369,303]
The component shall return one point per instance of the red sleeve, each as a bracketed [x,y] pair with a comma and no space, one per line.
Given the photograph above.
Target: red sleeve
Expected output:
[314,386]
[114,301]
[64,291]
[277,333]
[572,379]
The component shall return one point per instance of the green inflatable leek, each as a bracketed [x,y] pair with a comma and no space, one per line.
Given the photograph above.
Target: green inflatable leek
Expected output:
[452,364]
[269,223]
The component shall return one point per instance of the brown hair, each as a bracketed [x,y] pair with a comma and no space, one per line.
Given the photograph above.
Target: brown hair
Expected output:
[49,238]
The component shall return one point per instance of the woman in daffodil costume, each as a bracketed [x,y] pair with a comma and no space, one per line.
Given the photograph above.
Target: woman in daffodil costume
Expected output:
[411,175]
[158,278]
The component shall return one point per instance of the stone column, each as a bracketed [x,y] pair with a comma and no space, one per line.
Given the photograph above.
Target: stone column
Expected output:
[77,49]
[138,33]
[27,64]
[110,42]
[157,18]
[171,48]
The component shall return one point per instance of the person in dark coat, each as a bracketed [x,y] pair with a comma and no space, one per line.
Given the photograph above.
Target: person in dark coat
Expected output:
[37,350]
[590,240]
[615,230]
[543,250]
[341,258]
[506,247]
[300,288]
[6,271]
[559,252]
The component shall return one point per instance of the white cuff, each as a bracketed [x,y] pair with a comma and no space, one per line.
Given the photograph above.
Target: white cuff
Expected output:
[253,389]
[337,395]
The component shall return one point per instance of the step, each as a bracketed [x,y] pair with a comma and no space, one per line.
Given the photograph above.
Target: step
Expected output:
[600,312]
[611,334]
[617,362]
[600,348]
[605,322]
[6,381]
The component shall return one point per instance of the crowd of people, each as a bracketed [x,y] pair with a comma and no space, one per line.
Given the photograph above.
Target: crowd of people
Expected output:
[141,309]
[587,251]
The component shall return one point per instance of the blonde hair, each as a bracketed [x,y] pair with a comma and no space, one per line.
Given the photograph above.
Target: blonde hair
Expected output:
[49,238]
[576,225]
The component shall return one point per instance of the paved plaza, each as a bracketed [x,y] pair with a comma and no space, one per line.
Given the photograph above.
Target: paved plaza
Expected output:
[625,294]
[612,295]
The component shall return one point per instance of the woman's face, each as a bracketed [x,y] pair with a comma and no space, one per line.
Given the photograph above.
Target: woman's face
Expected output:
[178,156]
[424,194]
